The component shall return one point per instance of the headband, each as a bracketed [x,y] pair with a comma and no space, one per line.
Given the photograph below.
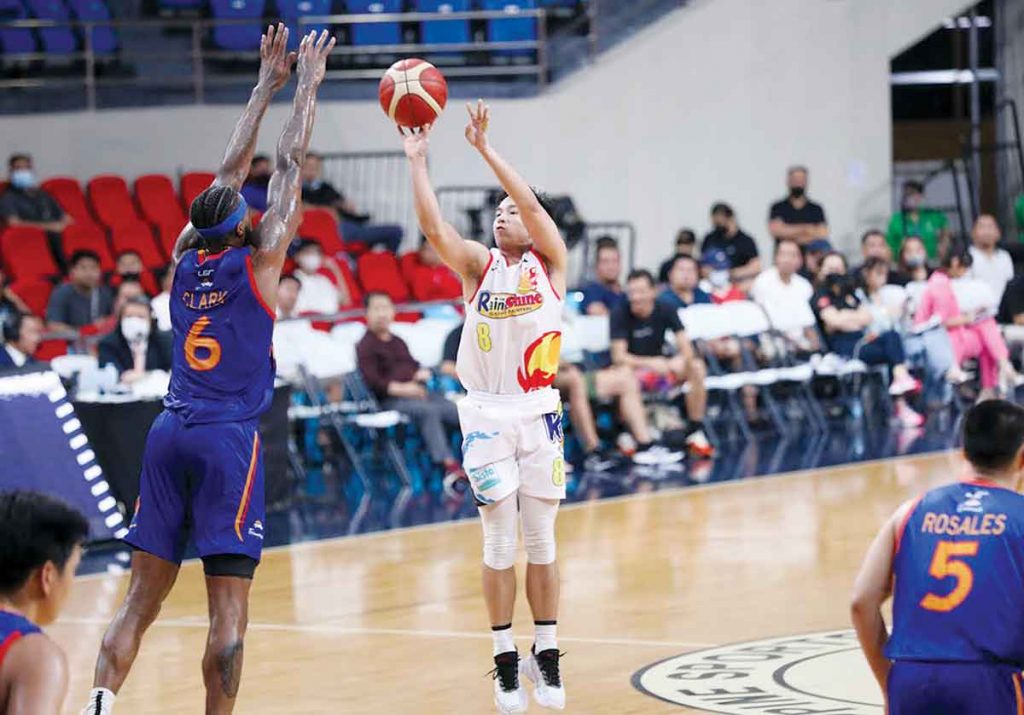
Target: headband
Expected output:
[227,225]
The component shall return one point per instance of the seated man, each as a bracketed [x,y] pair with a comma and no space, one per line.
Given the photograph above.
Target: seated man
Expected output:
[129,266]
[25,204]
[783,293]
[355,225]
[739,247]
[428,277]
[136,347]
[10,303]
[638,331]
[914,219]
[83,300]
[686,245]
[254,190]
[683,289]
[1011,308]
[797,217]
[991,264]
[816,250]
[399,382]
[874,245]
[22,335]
[603,295]
[718,268]
[324,288]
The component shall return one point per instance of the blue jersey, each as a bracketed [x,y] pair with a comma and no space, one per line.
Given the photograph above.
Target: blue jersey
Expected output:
[222,369]
[958,572]
[13,626]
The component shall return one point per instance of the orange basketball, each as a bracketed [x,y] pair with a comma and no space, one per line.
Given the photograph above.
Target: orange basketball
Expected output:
[413,93]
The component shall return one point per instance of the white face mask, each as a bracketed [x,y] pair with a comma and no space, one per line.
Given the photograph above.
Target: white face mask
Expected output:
[719,279]
[23,179]
[135,329]
[310,262]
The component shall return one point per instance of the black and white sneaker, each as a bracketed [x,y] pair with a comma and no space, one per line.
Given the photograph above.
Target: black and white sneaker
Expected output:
[542,669]
[600,460]
[509,694]
[657,455]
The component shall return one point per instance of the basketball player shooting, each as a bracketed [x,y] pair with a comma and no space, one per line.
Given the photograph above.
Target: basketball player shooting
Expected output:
[203,463]
[512,417]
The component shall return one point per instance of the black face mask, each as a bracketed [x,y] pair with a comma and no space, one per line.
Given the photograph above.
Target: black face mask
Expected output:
[797,192]
[837,283]
[131,276]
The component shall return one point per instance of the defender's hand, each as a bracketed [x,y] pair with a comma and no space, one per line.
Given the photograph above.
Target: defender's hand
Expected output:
[275,60]
[313,52]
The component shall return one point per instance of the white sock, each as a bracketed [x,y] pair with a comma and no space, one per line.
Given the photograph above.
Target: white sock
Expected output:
[502,638]
[101,702]
[545,636]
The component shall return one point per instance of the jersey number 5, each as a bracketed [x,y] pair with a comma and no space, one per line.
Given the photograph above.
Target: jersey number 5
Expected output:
[943,566]
[483,337]
[196,341]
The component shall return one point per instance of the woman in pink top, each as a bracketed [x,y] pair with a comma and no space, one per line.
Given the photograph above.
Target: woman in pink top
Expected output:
[972,336]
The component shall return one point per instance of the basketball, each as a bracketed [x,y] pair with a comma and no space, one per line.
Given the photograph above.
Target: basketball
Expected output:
[413,93]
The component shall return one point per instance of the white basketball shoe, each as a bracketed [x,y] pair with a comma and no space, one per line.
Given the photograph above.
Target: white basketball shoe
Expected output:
[509,694]
[543,671]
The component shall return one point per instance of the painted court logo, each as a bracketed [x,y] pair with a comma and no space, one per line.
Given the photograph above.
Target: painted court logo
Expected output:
[814,674]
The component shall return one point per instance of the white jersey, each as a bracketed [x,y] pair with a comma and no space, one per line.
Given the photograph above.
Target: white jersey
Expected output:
[513,332]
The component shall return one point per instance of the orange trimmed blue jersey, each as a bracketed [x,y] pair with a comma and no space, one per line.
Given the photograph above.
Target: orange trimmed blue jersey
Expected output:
[222,368]
[958,577]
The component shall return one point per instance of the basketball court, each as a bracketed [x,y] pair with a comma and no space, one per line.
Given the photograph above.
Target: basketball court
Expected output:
[688,581]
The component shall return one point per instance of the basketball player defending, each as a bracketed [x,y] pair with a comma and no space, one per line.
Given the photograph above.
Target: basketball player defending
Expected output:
[953,560]
[40,547]
[511,418]
[203,463]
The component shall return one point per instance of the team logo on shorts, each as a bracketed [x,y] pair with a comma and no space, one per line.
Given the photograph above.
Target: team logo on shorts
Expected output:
[553,423]
[474,437]
[507,305]
[256,529]
[798,675]
[540,362]
[483,478]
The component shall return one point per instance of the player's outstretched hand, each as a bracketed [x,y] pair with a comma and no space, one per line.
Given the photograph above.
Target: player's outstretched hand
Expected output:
[313,52]
[275,60]
[416,142]
[479,119]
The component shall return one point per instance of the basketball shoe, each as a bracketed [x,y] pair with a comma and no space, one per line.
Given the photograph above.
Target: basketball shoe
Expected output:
[509,694]
[542,670]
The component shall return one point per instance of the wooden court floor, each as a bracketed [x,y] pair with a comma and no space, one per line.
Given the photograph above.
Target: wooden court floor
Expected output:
[393,623]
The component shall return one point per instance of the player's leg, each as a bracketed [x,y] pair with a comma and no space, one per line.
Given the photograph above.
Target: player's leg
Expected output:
[228,600]
[694,372]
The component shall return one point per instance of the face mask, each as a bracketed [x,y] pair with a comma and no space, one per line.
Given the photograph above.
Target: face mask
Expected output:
[310,263]
[314,185]
[135,329]
[915,261]
[131,276]
[719,279]
[23,179]
[797,192]
[835,281]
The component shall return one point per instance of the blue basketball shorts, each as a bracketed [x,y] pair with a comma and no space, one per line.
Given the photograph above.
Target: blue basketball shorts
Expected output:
[929,688]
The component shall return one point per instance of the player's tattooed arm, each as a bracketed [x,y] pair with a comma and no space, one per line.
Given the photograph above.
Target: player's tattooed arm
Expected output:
[467,258]
[542,228]
[275,70]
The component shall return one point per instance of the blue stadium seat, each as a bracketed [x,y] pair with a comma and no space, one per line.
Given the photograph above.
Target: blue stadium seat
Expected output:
[443,32]
[377,33]
[56,40]
[292,10]
[181,4]
[514,29]
[237,38]
[15,41]
[104,40]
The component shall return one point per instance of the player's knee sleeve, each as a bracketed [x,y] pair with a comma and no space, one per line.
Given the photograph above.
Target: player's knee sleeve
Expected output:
[499,522]
[236,565]
[538,517]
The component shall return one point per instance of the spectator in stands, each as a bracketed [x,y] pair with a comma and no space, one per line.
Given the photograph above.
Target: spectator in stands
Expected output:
[683,289]
[686,245]
[324,290]
[1011,307]
[129,267]
[25,204]
[254,190]
[844,320]
[603,295]
[161,304]
[913,265]
[400,383]
[991,265]
[83,300]
[914,219]
[721,287]
[816,250]
[288,289]
[638,330]
[796,216]
[136,347]
[739,247]
[10,304]
[432,279]
[782,291]
[355,225]
[874,245]
[974,334]
[22,334]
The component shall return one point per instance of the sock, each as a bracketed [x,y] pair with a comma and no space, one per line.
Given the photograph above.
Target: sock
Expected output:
[545,636]
[694,426]
[643,446]
[502,638]
[101,702]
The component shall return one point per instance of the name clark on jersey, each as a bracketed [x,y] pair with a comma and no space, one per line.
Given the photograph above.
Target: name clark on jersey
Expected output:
[973,525]
[204,301]
[508,305]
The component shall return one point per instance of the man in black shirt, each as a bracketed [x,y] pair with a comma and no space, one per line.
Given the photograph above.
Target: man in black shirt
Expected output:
[1011,308]
[739,247]
[874,245]
[686,245]
[638,331]
[25,204]
[796,217]
[355,226]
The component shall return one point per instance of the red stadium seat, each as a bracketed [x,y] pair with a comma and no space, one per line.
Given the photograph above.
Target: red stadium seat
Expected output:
[87,237]
[378,272]
[25,253]
[355,293]
[49,349]
[138,237]
[167,234]
[193,184]
[68,193]
[409,262]
[111,201]
[158,200]
[319,225]
[35,293]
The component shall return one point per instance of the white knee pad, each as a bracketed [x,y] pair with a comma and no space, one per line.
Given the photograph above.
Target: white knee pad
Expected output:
[538,517]
[500,534]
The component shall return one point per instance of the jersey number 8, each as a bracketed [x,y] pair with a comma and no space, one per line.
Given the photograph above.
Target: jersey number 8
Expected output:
[197,341]
[944,566]
[483,337]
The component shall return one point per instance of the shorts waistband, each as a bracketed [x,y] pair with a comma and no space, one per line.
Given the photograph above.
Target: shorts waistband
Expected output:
[543,400]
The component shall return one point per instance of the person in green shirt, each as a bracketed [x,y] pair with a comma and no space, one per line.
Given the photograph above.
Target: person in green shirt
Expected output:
[914,220]
[1018,211]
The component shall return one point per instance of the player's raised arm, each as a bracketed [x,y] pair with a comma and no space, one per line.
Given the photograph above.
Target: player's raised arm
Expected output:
[541,227]
[467,258]
[284,194]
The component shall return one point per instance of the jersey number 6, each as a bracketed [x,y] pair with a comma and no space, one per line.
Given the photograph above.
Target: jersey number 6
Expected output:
[197,341]
[944,566]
